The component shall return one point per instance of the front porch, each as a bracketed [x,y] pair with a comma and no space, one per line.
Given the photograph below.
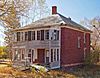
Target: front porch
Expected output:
[47,57]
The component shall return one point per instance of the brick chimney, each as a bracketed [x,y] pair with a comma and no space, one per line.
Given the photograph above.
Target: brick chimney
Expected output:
[54,10]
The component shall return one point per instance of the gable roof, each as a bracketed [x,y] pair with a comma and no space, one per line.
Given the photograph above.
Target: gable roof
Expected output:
[55,19]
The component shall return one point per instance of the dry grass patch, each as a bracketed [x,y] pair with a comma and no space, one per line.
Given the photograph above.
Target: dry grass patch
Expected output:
[84,72]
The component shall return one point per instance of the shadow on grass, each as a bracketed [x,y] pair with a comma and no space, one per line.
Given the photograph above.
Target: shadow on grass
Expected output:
[86,71]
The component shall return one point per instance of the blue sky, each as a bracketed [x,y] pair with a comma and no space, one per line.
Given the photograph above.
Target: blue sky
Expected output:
[77,9]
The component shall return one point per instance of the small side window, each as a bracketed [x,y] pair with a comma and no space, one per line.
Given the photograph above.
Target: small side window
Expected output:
[79,42]
[84,37]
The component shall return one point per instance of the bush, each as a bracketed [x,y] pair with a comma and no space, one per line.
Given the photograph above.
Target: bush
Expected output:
[92,58]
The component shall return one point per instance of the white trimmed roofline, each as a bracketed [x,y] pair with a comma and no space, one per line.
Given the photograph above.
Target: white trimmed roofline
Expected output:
[61,25]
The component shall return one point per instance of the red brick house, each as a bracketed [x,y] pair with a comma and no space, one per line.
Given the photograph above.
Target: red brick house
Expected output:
[56,40]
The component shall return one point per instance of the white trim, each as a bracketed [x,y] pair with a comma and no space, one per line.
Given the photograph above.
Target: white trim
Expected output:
[84,37]
[69,27]
[79,42]
[18,47]
[85,53]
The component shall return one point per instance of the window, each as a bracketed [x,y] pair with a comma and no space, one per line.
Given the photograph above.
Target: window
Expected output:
[21,37]
[54,54]
[84,37]
[57,34]
[42,34]
[29,35]
[18,36]
[26,36]
[47,34]
[57,54]
[32,54]
[51,55]
[14,37]
[38,35]
[79,42]
[54,34]
[22,53]
[33,35]
[84,53]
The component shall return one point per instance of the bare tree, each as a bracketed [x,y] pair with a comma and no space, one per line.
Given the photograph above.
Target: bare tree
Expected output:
[94,25]
[11,12]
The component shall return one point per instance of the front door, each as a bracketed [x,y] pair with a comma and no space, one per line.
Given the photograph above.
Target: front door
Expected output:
[41,55]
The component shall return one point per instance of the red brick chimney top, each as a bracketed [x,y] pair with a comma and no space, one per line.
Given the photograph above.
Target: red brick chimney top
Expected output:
[54,10]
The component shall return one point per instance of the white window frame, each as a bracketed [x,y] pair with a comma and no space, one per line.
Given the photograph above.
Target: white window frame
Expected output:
[46,34]
[84,37]
[84,53]
[79,42]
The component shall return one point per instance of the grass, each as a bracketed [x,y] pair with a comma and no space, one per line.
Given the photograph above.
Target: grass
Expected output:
[92,71]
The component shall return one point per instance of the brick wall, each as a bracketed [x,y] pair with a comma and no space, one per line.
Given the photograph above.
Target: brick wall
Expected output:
[70,53]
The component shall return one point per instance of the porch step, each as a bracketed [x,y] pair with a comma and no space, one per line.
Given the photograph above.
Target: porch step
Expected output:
[21,65]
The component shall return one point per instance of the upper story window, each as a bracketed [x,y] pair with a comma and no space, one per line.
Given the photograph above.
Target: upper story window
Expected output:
[14,37]
[47,34]
[26,36]
[29,35]
[42,34]
[33,35]
[18,36]
[38,35]
[21,36]
[55,35]
[84,37]
[79,42]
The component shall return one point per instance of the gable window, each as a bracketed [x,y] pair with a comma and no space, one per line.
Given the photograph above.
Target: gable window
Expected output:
[33,35]
[47,34]
[42,34]
[79,42]
[38,35]
[18,36]
[29,35]
[26,36]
